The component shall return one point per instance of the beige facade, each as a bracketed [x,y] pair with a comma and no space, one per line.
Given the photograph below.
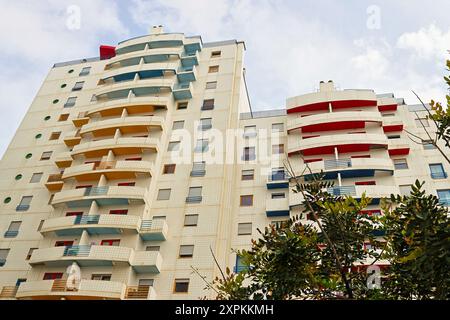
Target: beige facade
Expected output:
[125,182]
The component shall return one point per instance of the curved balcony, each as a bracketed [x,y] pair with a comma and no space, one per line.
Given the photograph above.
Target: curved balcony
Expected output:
[119,146]
[120,73]
[333,121]
[397,147]
[145,87]
[134,105]
[338,99]
[111,169]
[182,91]
[103,196]
[392,124]
[348,168]
[150,56]
[130,124]
[63,159]
[375,192]
[93,224]
[344,143]
[59,289]
[165,40]
[146,262]
[54,182]
[153,230]
[277,207]
[72,138]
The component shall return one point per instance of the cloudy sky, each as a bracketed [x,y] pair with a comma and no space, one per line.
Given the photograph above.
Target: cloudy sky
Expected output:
[291,44]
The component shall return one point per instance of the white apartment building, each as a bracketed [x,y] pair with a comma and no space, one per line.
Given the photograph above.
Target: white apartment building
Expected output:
[131,169]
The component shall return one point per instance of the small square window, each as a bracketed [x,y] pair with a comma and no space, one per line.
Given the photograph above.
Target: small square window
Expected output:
[174,146]
[248,174]
[85,71]
[78,86]
[181,286]
[163,194]
[152,248]
[428,145]
[70,102]
[46,155]
[182,105]
[24,204]
[250,131]
[3,255]
[216,54]
[400,164]
[249,154]
[246,200]
[36,177]
[277,127]
[13,229]
[278,195]
[178,125]
[191,220]
[194,195]
[213,69]
[55,135]
[208,104]
[201,145]
[63,117]
[211,85]
[277,148]
[30,253]
[245,228]
[169,168]
[186,251]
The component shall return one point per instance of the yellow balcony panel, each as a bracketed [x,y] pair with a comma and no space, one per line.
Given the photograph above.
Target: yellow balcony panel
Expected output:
[63,160]
[8,292]
[127,125]
[54,182]
[103,196]
[119,146]
[113,170]
[93,224]
[72,139]
[81,120]
[60,289]
[83,255]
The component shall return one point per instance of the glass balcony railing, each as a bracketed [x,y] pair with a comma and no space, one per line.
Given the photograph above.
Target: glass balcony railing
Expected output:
[344,190]
[92,219]
[77,251]
[335,164]
[96,191]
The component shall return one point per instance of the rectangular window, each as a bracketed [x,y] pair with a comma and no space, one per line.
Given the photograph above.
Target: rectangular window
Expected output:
[55,135]
[41,223]
[428,145]
[74,214]
[85,71]
[249,154]
[36,177]
[201,145]
[250,131]
[278,174]
[3,255]
[208,104]
[119,211]
[178,125]
[205,124]
[126,184]
[422,122]
[163,194]
[70,102]
[152,248]
[159,218]
[244,229]
[277,127]
[248,174]
[63,117]
[190,220]
[194,195]
[277,148]
[101,277]
[146,282]
[393,136]
[108,242]
[13,229]
[174,146]
[24,204]
[400,164]
[365,183]
[30,253]
[216,54]
[181,286]
[46,155]
[169,168]
[437,171]
[186,251]
[246,200]
[211,85]
[278,195]
[198,169]
[444,197]
[388,114]
[213,69]
[53,275]
[78,86]
[64,243]
[405,189]
[182,105]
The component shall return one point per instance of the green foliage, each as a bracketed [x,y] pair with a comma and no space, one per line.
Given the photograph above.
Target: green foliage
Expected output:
[442,116]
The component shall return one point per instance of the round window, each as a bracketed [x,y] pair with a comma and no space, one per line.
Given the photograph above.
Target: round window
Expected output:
[18,177]
[28,156]
[70,71]
[47,118]
[63,85]
[55,101]
[38,136]
[7,200]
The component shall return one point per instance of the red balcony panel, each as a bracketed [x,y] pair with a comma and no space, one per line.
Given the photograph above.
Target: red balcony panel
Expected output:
[332,126]
[107,52]
[388,107]
[398,152]
[335,105]
[393,128]
[345,148]
[365,183]
[313,160]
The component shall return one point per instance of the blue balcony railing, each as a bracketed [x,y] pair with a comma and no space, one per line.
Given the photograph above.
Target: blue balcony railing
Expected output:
[96,191]
[11,234]
[335,164]
[87,219]
[238,269]
[278,176]
[344,190]
[439,175]
[77,251]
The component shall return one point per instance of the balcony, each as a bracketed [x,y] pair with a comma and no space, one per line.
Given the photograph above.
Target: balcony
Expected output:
[182,91]
[398,147]
[73,138]
[83,255]
[58,289]
[119,146]
[277,207]
[133,105]
[134,57]
[331,121]
[166,41]
[129,92]
[127,125]
[392,124]
[146,262]
[186,74]
[63,159]
[189,59]
[375,192]
[81,120]
[8,292]
[103,196]
[348,168]
[140,292]
[338,99]
[358,142]
[153,230]
[277,180]
[145,67]
[93,224]
[54,182]
[111,169]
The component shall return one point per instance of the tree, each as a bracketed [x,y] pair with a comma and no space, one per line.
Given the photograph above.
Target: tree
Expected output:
[442,117]
[418,248]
